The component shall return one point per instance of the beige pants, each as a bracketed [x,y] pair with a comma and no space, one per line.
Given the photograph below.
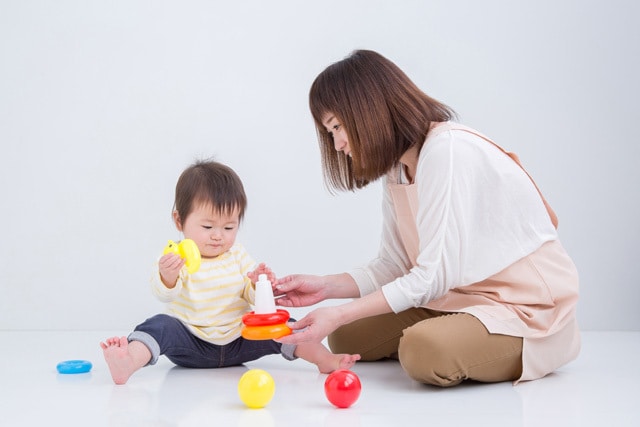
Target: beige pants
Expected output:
[433,347]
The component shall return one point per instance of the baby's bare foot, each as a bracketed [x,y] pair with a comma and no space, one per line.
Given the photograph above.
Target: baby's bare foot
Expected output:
[348,360]
[338,361]
[121,363]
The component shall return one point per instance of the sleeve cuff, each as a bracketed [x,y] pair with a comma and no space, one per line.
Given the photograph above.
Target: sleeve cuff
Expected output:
[163,293]
[396,299]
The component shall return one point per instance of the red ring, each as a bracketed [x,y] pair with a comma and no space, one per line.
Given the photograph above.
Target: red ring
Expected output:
[252,319]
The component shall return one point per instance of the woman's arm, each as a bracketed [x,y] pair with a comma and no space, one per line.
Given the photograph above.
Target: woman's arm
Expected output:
[392,260]
[300,290]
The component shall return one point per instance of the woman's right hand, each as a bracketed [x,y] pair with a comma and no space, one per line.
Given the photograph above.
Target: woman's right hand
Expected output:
[300,290]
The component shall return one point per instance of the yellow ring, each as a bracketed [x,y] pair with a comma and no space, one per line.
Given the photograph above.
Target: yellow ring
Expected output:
[268,332]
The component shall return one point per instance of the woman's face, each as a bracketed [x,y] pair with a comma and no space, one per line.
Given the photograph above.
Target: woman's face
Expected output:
[337,132]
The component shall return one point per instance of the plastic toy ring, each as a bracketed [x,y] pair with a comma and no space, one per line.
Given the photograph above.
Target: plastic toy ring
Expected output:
[253,319]
[268,332]
[74,367]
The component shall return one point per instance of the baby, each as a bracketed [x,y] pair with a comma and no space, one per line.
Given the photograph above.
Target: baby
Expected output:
[202,327]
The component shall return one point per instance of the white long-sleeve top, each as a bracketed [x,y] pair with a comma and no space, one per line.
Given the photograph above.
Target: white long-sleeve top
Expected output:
[478,212]
[211,301]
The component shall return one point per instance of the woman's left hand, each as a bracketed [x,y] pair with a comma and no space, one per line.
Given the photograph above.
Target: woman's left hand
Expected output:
[314,327]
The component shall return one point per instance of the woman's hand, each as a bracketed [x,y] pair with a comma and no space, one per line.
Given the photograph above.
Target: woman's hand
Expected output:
[319,323]
[314,327]
[261,269]
[300,290]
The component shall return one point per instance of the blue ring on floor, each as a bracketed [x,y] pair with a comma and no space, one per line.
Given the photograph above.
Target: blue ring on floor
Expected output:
[74,366]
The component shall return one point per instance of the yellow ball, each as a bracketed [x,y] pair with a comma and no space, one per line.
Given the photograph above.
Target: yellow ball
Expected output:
[256,388]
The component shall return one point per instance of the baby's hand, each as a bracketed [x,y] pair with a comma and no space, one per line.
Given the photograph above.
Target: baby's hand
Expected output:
[262,269]
[170,265]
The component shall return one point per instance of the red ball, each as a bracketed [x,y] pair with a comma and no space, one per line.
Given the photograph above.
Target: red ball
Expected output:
[342,388]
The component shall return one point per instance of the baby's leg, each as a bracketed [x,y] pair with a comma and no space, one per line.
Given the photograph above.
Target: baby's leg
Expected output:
[124,358]
[326,361]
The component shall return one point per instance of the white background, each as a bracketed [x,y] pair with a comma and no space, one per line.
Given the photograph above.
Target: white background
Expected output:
[103,103]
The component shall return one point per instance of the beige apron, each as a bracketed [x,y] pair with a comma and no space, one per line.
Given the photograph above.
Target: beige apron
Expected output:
[534,298]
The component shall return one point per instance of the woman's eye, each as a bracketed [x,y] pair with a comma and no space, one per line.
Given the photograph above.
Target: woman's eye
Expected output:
[335,128]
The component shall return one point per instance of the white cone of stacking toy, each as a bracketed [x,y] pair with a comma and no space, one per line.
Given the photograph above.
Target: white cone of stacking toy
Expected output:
[265,302]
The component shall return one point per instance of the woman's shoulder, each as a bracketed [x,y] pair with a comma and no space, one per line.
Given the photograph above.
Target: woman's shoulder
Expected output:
[457,139]
[448,131]
[460,149]
[443,139]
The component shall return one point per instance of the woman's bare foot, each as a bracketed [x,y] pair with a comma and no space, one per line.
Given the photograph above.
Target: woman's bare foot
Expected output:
[333,362]
[121,363]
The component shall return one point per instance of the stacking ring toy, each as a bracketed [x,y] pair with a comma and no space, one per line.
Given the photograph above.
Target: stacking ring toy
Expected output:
[265,323]
[266,332]
[74,367]
[187,250]
[253,319]
[265,326]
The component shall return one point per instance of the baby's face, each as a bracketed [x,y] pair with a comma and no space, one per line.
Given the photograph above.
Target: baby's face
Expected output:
[213,232]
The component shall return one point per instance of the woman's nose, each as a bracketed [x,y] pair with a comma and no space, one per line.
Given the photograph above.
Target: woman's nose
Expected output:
[339,143]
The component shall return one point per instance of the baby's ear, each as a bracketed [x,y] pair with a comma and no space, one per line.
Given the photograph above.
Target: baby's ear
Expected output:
[176,220]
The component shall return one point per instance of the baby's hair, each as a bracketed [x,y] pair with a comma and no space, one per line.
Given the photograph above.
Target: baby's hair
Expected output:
[209,183]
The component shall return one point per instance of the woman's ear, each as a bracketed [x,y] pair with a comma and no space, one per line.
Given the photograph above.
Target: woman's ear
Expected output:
[176,220]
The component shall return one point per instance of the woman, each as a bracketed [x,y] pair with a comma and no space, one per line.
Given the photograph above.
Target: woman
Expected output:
[471,281]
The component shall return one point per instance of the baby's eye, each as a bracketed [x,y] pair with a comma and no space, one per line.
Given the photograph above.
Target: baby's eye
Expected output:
[229,228]
[207,227]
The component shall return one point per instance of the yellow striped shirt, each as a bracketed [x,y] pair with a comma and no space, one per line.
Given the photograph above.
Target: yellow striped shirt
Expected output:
[211,301]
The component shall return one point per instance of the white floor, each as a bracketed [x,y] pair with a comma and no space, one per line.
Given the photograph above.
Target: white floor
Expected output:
[599,388]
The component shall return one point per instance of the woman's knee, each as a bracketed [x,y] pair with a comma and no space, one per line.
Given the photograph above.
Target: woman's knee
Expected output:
[376,337]
[425,356]
[450,349]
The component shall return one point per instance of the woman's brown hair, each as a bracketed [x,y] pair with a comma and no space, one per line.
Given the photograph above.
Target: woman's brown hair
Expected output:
[383,113]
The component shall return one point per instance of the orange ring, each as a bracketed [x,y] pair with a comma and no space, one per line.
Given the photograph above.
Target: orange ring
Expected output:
[253,319]
[268,332]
